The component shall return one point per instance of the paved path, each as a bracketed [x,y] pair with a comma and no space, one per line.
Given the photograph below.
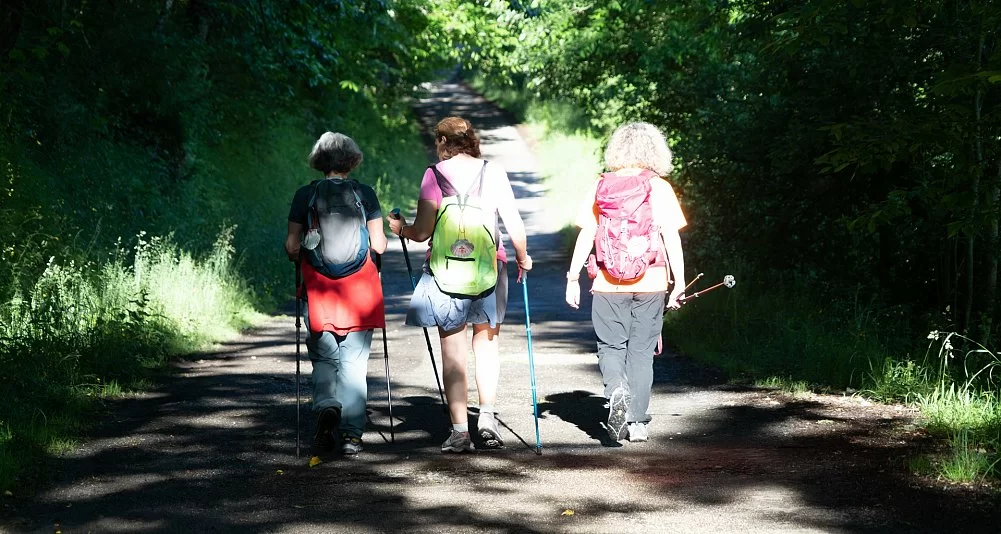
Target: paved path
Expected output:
[212,450]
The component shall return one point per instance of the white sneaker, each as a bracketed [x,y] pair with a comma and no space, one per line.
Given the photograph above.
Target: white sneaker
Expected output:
[638,432]
[618,405]
[489,430]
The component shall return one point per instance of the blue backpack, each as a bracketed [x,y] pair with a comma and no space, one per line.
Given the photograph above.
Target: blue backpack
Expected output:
[336,238]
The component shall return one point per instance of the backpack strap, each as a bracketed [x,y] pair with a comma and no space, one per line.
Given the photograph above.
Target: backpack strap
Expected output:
[477,186]
[354,185]
[449,190]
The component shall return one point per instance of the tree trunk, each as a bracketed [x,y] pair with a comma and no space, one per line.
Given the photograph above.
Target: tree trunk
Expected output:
[992,261]
[168,6]
[11,17]
[978,143]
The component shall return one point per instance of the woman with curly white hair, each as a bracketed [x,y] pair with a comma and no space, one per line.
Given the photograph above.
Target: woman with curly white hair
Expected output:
[631,218]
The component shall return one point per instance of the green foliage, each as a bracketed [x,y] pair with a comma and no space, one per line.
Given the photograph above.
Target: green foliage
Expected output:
[760,331]
[892,380]
[174,118]
[967,462]
[84,332]
[848,140]
[961,404]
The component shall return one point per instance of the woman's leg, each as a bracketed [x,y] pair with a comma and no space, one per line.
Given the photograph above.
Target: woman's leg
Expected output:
[610,314]
[486,349]
[352,381]
[647,323]
[612,320]
[454,351]
[323,349]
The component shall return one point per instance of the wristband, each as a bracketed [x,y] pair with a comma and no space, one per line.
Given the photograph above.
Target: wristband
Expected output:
[573,277]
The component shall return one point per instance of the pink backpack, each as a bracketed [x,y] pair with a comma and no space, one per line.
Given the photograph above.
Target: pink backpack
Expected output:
[627,240]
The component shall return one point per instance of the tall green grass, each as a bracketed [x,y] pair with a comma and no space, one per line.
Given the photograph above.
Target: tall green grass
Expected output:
[95,330]
[961,402]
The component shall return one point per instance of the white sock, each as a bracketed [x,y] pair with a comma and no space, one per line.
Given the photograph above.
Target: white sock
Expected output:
[487,408]
[461,427]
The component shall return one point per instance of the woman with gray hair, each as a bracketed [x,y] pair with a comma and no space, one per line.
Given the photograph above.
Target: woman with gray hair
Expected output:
[343,308]
[631,218]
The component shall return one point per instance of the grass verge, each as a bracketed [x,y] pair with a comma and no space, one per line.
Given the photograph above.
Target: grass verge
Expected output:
[781,338]
[86,333]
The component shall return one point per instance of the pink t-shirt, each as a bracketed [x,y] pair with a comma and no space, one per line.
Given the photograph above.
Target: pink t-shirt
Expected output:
[461,172]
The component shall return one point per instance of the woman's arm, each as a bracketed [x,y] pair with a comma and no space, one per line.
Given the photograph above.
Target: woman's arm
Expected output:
[292,241]
[377,236]
[581,249]
[514,225]
[676,258]
[423,225]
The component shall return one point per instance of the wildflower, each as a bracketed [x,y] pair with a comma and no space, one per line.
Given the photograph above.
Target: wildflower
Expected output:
[933,335]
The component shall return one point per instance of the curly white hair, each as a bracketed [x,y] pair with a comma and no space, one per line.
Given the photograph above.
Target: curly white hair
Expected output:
[638,145]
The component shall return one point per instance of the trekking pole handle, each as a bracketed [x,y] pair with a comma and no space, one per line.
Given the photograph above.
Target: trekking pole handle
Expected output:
[395,214]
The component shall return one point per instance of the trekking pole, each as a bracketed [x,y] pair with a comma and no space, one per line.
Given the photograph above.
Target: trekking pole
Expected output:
[729,281]
[531,360]
[696,279]
[413,285]
[389,392]
[385,358]
[298,325]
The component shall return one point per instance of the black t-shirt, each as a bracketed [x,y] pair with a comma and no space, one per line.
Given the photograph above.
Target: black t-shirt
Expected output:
[300,203]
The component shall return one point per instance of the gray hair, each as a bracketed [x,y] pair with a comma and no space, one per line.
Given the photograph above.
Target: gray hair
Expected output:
[335,152]
[639,145]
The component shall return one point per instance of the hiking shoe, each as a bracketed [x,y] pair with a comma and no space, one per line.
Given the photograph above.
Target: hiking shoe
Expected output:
[458,442]
[638,432]
[326,424]
[351,445]
[618,405]
[489,431]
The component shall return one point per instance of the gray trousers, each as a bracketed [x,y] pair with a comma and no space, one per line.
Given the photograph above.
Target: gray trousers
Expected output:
[627,326]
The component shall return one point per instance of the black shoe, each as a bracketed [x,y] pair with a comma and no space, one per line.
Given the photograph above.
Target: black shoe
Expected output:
[326,424]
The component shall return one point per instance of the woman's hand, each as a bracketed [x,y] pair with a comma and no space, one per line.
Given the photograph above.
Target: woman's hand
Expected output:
[672,301]
[395,224]
[573,293]
[524,261]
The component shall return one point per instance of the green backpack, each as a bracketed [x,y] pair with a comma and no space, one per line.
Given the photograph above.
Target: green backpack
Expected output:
[463,250]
